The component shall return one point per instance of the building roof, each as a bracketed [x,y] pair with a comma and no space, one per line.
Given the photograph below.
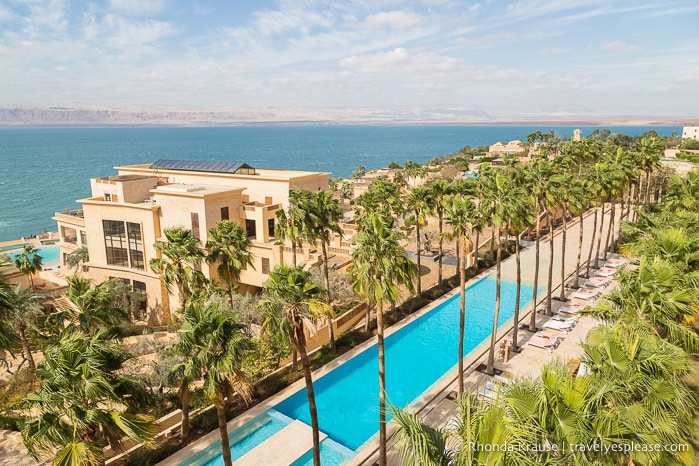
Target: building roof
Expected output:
[203,166]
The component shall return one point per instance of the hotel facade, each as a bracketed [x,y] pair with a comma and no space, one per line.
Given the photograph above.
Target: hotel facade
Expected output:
[128,213]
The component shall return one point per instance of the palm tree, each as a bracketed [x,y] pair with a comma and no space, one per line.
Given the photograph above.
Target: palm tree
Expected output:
[322,219]
[291,289]
[439,189]
[418,203]
[229,246]
[180,255]
[28,262]
[214,339]
[25,312]
[538,173]
[555,196]
[7,309]
[459,212]
[580,192]
[94,308]
[74,414]
[379,266]
[289,224]
[77,257]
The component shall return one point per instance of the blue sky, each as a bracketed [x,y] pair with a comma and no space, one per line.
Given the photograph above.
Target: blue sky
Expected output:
[526,57]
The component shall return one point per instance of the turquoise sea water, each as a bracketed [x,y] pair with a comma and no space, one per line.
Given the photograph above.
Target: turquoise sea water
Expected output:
[44,170]
[417,355]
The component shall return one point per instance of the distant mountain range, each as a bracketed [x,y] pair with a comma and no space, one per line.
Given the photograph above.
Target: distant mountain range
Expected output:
[84,115]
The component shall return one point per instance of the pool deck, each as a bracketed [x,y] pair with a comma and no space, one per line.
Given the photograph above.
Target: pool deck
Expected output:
[284,447]
[433,404]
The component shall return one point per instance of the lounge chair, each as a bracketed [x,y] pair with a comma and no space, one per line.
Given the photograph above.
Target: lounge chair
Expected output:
[605,272]
[559,325]
[490,390]
[546,339]
[615,262]
[587,293]
[574,306]
[598,282]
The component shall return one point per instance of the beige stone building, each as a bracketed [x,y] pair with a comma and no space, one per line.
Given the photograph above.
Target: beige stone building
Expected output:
[127,213]
[690,132]
[511,148]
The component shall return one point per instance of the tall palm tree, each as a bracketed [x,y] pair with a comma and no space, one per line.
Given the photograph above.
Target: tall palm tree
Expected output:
[580,196]
[28,262]
[229,246]
[95,308]
[25,312]
[180,255]
[418,203]
[7,309]
[289,224]
[538,173]
[291,290]
[217,346]
[555,196]
[459,213]
[322,220]
[439,189]
[379,266]
[74,414]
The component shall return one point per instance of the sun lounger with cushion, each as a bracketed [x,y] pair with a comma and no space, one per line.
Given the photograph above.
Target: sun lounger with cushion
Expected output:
[605,272]
[559,325]
[587,293]
[547,339]
[598,282]
[615,262]
[574,306]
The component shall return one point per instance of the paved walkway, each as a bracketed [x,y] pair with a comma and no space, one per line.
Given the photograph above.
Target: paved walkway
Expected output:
[436,408]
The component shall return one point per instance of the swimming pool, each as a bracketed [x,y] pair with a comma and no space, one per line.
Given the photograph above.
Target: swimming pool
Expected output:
[50,254]
[417,355]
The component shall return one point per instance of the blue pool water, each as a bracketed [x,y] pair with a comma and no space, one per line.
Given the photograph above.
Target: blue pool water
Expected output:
[417,355]
[50,254]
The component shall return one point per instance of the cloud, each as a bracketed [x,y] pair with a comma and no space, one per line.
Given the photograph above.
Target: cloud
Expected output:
[394,19]
[137,7]
[555,50]
[620,46]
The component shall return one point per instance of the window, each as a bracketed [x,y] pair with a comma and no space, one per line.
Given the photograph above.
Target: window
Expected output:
[195,225]
[115,242]
[83,237]
[268,200]
[270,227]
[265,265]
[135,245]
[250,227]
[107,197]
[224,213]
[140,286]
[123,244]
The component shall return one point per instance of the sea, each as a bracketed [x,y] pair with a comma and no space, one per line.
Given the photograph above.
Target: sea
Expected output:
[45,170]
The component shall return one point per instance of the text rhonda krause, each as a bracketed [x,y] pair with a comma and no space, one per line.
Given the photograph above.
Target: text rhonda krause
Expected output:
[625,448]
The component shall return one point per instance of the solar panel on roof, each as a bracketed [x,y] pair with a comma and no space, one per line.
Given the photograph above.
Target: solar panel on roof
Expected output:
[201,166]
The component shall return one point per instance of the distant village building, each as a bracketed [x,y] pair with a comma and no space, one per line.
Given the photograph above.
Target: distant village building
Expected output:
[512,147]
[690,132]
[577,135]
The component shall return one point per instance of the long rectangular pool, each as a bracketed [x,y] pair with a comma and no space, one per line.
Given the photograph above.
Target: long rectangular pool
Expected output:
[417,355]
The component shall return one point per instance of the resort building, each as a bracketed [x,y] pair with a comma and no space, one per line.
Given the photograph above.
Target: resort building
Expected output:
[128,213]
[690,132]
[512,147]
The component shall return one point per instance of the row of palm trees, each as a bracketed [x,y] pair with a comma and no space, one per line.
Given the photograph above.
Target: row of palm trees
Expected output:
[634,394]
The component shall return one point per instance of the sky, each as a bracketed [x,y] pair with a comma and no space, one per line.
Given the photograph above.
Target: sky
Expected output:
[521,57]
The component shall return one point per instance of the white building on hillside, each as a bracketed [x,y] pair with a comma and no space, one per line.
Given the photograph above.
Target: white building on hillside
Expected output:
[690,132]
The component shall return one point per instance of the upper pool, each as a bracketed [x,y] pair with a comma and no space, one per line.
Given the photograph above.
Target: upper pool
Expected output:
[50,254]
[417,355]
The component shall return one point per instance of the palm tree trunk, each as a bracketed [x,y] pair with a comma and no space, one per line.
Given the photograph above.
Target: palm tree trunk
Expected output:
[331,330]
[515,345]
[184,398]
[576,283]
[475,250]
[441,249]
[592,245]
[550,275]
[599,236]
[610,230]
[367,317]
[532,321]
[306,365]
[647,201]
[223,430]
[490,369]
[382,385]
[562,294]
[492,244]
[462,310]
[417,245]
[639,194]
[25,348]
